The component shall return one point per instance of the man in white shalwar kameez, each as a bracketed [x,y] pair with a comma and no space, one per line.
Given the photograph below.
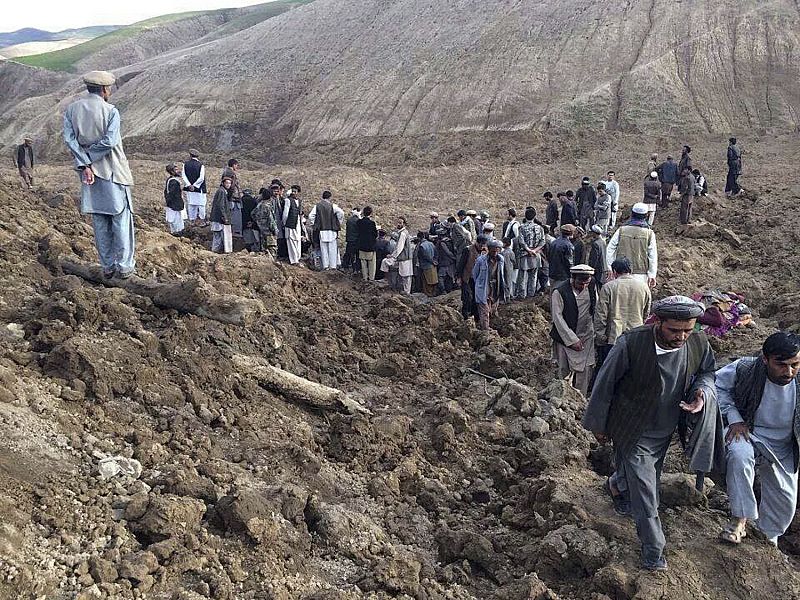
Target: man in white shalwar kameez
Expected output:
[292,224]
[758,397]
[194,181]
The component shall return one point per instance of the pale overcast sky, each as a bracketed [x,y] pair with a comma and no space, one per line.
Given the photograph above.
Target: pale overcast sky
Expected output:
[56,15]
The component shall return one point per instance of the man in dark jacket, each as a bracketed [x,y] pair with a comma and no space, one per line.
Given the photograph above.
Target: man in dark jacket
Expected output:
[734,168]
[350,260]
[668,175]
[366,238]
[585,198]
[25,161]
[447,264]
[686,190]
[464,271]
[686,159]
[173,198]
[569,212]
[652,193]
[560,257]
[654,378]
[551,211]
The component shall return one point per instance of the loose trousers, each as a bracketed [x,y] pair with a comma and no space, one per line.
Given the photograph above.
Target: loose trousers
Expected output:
[686,209]
[666,192]
[775,512]
[196,211]
[527,283]
[368,264]
[732,183]
[642,470]
[115,241]
[330,254]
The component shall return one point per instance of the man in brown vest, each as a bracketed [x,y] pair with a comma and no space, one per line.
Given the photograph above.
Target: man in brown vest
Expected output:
[637,242]
[655,377]
[327,218]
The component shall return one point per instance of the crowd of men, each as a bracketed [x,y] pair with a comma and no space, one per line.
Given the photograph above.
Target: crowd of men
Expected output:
[645,367]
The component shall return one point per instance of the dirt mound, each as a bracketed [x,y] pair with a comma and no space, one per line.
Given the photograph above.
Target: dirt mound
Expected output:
[450,486]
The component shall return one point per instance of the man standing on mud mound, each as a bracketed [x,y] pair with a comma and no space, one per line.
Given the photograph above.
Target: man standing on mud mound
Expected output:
[572,307]
[489,277]
[655,377]
[194,184]
[636,241]
[327,219]
[734,168]
[292,224]
[529,246]
[686,190]
[758,397]
[668,175]
[24,161]
[92,134]
[612,187]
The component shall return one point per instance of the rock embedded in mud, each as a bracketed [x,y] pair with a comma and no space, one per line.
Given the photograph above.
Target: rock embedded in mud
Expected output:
[678,489]
[444,437]
[102,570]
[398,574]
[572,552]
[167,515]
[529,587]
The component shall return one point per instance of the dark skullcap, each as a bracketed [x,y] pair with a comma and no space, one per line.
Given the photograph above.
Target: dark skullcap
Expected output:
[680,308]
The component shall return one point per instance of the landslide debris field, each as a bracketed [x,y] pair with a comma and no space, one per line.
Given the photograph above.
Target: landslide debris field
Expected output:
[446,485]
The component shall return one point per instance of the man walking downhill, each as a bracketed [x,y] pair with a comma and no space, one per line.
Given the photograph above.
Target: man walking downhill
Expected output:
[734,168]
[572,308]
[92,134]
[758,397]
[25,161]
[655,377]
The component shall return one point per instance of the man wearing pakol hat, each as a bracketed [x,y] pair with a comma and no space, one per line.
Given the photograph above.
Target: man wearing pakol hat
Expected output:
[759,397]
[92,134]
[561,257]
[528,248]
[585,197]
[24,161]
[174,199]
[489,277]
[636,241]
[655,378]
[488,230]
[194,184]
[436,227]
[572,308]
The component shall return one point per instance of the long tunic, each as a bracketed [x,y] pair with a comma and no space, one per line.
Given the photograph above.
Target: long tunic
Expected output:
[566,357]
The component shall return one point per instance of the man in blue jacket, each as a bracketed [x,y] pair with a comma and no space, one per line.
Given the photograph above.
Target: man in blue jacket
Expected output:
[489,282]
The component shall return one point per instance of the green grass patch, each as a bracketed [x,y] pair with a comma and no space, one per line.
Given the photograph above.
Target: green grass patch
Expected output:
[66,59]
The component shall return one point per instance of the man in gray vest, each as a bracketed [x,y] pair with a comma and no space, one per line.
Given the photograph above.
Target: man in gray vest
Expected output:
[758,397]
[92,134]
[655,378]
[327,218]
[637,242]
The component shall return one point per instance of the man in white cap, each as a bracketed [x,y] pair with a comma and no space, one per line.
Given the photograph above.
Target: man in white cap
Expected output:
[652,194]
[92,134]
[488,230]
[25,161]
[655,377]
[636,241]
[194,184]
[572,309]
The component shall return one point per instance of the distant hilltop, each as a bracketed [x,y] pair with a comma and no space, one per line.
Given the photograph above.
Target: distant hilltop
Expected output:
[30,34]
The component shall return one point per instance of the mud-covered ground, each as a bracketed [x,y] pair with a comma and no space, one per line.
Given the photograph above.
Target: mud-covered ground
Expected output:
[451,486]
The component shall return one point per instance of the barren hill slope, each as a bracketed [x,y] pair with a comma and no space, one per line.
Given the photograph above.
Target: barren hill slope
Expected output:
[342,69]
[348,68]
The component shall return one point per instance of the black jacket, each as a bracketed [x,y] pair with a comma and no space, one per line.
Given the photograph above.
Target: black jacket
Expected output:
[366,234]
[21,149]
[172,194]
[569,214]
[560,258]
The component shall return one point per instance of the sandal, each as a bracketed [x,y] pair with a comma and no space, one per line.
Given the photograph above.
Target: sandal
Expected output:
[733,534]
